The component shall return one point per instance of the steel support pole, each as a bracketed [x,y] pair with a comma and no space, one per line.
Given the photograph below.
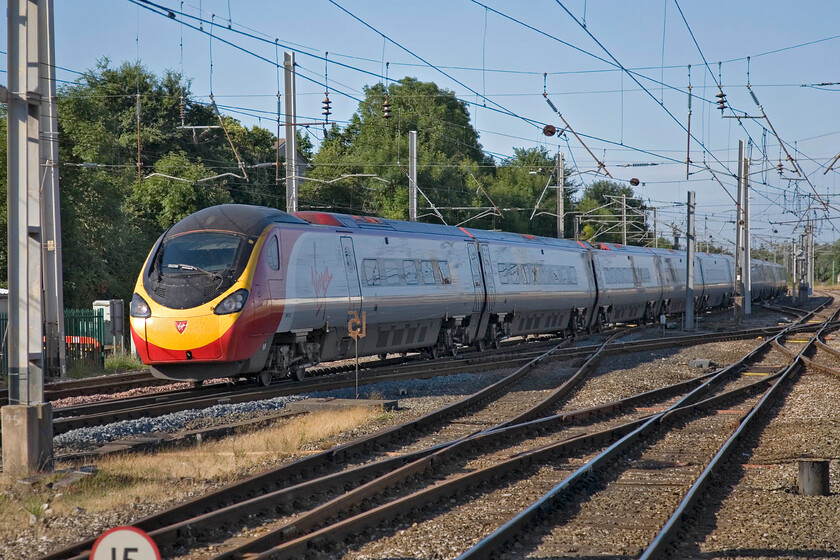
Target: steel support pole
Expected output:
[655,234]
[291,132]
[739,234]
[689,266]
[55,359]
[747,240]
[810,257]
[27,420]
[412,175]
[561,197]
[623,220]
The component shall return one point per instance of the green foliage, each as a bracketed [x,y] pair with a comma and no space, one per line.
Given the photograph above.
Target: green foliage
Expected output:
[110,216]
[177,189]
[516,187]
[600,209]
[373,145]
[122,362]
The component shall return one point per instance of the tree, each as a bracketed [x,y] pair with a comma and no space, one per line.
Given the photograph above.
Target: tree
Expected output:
[110,214]
[600,209]
[176,189]
[517,186]
[377,147]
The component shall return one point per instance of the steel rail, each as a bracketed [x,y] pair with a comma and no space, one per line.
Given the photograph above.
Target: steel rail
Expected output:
[489,546]
[324,533]
[97,414]
[660,543]
[306,468]
[314,465]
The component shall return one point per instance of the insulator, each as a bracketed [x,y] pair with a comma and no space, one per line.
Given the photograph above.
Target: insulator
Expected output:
[183,109]
[781,167]
[326,110]
[386,108]
[721,100]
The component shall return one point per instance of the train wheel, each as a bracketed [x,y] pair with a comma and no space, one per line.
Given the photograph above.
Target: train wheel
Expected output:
[299,373]
[480,345]
[383,356]
[453,350]
[434,352]
[264,378]
[198,383]
[496,343]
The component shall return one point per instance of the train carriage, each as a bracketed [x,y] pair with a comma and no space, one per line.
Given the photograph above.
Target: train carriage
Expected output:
[718,273]
[238,290]
[538,284]
[630,287]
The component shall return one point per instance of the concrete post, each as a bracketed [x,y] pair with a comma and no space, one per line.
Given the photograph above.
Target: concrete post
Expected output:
[412,175]
[623,220]
[813,478]
[561,202]
[55,359]
[689,266]
[26,421]
[291,132]
[747,240]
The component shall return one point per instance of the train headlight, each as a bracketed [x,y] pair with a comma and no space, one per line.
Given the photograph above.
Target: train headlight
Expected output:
[139,307]
[233,303]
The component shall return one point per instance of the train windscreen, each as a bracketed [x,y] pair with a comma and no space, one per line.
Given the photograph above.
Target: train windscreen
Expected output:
[213,252]
[193,268]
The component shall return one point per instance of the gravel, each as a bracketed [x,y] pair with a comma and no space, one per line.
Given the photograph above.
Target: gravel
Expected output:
[451,387]
[419,397]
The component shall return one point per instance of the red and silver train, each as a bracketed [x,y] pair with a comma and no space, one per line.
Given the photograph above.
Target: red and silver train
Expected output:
[247,291]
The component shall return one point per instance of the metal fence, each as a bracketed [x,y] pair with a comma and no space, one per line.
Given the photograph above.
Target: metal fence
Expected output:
[84,336]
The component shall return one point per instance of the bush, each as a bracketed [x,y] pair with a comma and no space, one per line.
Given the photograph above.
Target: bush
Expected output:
[123,362]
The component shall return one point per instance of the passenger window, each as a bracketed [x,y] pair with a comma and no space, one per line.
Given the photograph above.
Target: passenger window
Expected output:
[503,273]
[372,272]
[513,273]
[392,272]
[445,275]
[426,270]
[410,268]
[272,254]
[571,275]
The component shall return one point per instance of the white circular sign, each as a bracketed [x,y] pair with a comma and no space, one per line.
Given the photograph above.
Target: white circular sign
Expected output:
[124,543]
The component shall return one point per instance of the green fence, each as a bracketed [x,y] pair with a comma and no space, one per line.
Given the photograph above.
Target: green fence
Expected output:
[84,335]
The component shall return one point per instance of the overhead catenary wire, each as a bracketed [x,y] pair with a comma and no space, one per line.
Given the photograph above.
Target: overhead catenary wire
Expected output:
[654,152]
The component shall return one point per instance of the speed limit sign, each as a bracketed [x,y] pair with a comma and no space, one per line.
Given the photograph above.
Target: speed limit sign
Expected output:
[124,543]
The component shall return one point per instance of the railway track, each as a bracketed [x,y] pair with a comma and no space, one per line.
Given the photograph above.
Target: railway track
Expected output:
[643,520]
[158,404]
[459,427]
[447,498]
[55,390]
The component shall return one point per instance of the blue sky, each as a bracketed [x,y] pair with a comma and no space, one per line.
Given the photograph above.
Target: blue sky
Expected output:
[488,59]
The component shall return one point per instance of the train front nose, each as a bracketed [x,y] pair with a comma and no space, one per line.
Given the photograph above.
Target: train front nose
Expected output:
[185,337]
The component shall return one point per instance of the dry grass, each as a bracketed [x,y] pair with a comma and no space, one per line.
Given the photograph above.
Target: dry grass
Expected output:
[171,475]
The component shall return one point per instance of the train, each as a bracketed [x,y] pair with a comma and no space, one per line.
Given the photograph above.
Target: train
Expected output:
[256,292]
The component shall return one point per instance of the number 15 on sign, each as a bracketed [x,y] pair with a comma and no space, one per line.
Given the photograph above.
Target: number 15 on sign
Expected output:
[124,543]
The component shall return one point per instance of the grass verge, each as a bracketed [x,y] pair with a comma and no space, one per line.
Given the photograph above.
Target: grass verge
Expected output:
[120,481]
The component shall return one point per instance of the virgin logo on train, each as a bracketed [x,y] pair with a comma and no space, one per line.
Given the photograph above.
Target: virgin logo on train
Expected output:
[320,281]
[181,326]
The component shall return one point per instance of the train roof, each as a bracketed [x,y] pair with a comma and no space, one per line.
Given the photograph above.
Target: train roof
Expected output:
[386,224]
[239,218]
